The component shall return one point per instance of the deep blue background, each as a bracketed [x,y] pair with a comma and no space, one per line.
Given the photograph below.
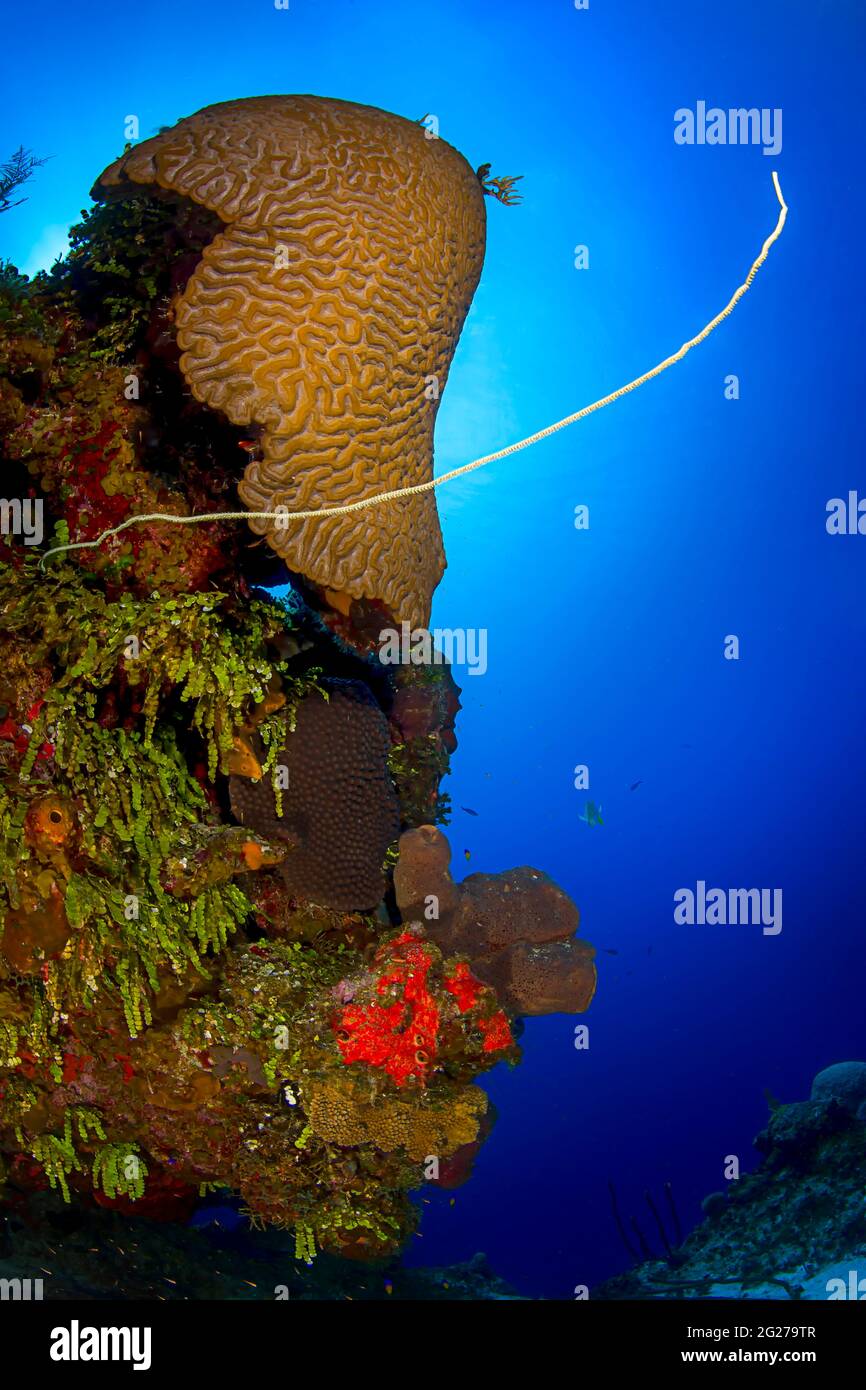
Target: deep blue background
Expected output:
[707,518]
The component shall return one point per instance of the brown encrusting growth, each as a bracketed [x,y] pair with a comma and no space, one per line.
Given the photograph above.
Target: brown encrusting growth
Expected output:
[326,315]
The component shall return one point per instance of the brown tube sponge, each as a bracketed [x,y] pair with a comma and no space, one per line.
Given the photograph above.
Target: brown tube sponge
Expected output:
[551,977]
[352,248]
[516,927]
[421,871]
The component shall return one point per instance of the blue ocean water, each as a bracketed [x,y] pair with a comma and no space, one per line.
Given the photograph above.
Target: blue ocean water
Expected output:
[707,519]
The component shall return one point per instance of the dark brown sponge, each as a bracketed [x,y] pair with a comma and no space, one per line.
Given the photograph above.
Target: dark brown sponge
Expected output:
[516,927]
[550,977]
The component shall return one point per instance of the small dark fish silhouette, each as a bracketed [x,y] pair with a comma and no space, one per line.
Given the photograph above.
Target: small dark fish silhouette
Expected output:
[634,786]
[469,811]
[466,854]
[609,951]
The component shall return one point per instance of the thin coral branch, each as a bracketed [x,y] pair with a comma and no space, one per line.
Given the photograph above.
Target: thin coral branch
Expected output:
[645,1250]
[501,188]
[678,1230]
[659,1224]
[618,1219]
[14,172]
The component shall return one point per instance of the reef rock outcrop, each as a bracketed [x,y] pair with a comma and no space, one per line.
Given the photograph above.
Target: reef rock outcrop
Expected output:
[844,1082]
[793,1229]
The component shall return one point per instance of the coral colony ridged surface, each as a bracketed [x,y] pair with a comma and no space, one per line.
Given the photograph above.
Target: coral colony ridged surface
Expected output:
[338,286]
[232,954]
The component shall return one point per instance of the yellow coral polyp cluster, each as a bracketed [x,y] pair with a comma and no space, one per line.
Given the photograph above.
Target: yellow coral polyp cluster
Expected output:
[343,1110]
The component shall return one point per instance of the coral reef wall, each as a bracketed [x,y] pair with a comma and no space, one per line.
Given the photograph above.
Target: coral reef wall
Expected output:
[220,964]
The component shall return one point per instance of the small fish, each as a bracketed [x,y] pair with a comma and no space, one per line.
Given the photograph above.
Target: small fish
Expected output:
[609,951]
[389,1287]
[466,854]
[469,811]
[634,786]
[591,814]
[224,1218]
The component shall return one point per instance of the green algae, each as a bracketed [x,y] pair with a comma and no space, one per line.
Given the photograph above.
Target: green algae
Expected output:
[195,672]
